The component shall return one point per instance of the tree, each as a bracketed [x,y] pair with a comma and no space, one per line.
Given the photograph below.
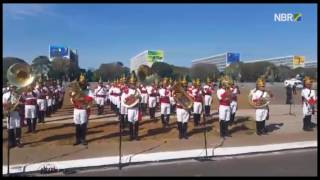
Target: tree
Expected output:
[41,65]
[203,71]
[162,69]
[62,67]
[233,70]
[250,72]
[111,71]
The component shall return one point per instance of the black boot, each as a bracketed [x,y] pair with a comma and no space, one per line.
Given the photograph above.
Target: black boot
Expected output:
[98,109]
[153,113]
[162,120]
[34,125]
[231,119]
[83,133]
[305,124]
[180,129]
[136,130]
[78,131]
[29,125]
[221,128]
[131,130]
[42,116]
[18,137]
[309,123]
[126,121]
[167,120]
[196,118]
[184,130]
[258,127]
[150,113]
[206,110]
[121,117]
[226,130]
[102,109]
[263,127]
[11,138]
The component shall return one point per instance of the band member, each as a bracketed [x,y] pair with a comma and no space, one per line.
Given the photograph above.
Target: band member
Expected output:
[133,112]
[309,100]
[100,94]
[116,92]
[107,99]
[144,98]
[123,110]
[171,99]
[13,119]
[262,112]
[152,100]
[49,98]
[234,104]
[197,104]
[80,116]
[207,91]
[30,99]
[54,97]
[41,101]
[61,94]
[224,97]
[165,103]
[182,114]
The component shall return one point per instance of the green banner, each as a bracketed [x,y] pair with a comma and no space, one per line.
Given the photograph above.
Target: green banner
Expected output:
[155,56]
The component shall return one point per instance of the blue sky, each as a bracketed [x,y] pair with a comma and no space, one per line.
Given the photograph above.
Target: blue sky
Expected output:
[105,33]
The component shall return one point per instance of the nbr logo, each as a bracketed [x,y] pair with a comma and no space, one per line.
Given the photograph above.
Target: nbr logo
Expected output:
[287,17]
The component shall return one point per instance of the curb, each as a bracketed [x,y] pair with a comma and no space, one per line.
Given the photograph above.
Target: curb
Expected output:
[158,156]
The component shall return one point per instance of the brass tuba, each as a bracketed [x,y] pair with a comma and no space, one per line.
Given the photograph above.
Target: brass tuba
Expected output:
[182,97]
[21,76]
[264,101]
[76,93]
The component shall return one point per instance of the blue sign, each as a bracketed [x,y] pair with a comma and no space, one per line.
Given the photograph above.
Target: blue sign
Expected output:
[233,58]
[58,51]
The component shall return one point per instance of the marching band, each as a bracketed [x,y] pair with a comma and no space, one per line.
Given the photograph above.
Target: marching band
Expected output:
[130,101]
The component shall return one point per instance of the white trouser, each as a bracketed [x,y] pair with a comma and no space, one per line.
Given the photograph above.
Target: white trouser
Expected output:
[118,102]
[261,114]
[165,108]
[123,110]
[144,98]
[182,115]
[224,113]
[158,99]
[49,102]
[42,104]
[197,107]
[14,120]
[306,109]
[133,114]
[54,101]
[207,100]
[100,101]
[111,99]
[79,116]
[30,111]
[233,106]
[152,102]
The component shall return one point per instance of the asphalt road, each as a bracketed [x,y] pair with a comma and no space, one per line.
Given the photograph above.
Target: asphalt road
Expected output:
[285,163]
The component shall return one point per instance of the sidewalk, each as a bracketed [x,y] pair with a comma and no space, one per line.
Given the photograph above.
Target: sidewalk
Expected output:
[156,143]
